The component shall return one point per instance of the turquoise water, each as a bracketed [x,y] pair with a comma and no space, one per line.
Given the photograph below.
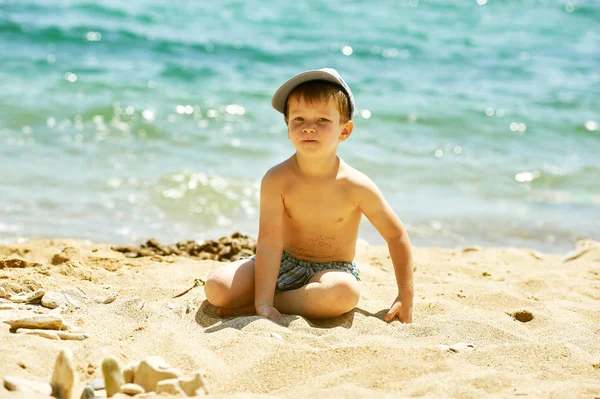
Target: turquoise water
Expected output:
[121,121]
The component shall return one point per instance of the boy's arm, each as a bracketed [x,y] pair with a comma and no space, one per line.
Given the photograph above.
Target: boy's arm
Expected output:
[387,223]
[269,245]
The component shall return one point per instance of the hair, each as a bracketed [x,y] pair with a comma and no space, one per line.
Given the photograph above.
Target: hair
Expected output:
[321,90]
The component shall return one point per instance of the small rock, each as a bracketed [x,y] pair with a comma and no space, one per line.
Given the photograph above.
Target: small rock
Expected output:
[88,393]
[53,299]
[537,255]
[71,336]
[575,254]
[473,248]
[128,372]
[2,292]
[152,370]
[37,322]
[5,304]
[131,389]
[522,315]
[42,333]
[65,255]
[276,336]
[170,387]
[63,377]
[16,263]
[71,301]
[110,298]
[28,297]
[194,383]
[23,385]
[113,379]
[189,306]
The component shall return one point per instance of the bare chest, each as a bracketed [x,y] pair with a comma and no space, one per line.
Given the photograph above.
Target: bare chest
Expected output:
[317,205]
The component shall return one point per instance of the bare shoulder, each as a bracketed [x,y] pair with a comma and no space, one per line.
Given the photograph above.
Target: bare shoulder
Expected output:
[358,182]
[278,174]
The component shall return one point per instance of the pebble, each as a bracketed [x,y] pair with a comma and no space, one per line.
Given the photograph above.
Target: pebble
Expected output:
[88,393]
[37,322]
[63,377]
[113,379]
[474,248]
[65,255]
[16,263]
[128,372]
[191,384]
[276,336]
[537,255]
[53,300]
[170,387]
[575,254]
[42,333]
[522,315]
[131,389]
[152,370]
[23,385]
[110,298]
[5,304]
[28,297]
[71,336]
[71,301]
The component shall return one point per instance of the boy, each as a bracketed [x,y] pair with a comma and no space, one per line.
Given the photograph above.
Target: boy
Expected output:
[310,209]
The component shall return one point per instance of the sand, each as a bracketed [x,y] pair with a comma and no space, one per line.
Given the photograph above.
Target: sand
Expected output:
[465,340]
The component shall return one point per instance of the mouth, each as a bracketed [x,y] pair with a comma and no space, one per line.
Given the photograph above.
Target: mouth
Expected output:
[309,141]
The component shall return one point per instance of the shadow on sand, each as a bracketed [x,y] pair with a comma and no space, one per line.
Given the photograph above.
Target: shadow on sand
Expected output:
[207,317]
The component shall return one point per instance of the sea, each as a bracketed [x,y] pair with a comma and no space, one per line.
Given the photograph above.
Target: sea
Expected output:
[122,121]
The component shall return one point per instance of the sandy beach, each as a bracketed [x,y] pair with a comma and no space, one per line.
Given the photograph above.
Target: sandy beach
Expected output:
[499,322]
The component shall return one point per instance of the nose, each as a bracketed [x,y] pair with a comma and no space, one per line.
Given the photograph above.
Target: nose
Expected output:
[308,128]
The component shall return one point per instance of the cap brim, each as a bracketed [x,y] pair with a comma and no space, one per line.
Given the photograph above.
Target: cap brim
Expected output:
[281,95]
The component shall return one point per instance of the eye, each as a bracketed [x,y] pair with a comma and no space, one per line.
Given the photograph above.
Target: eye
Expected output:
[299,119]
[323,120]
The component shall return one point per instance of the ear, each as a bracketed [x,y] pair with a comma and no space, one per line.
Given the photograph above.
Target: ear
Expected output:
[346,131]
[287,126]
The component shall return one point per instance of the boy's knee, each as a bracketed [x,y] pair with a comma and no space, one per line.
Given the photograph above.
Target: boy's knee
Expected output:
[344,295]
[215,290]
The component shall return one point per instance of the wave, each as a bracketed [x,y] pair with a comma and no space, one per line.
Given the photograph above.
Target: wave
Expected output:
[128,39]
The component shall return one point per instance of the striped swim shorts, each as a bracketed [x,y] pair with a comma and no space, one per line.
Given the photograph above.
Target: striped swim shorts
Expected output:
[295,273]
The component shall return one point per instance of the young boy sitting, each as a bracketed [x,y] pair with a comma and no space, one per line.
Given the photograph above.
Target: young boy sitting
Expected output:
[310,209]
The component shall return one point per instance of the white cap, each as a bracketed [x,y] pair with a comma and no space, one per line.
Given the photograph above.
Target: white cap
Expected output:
[280,97]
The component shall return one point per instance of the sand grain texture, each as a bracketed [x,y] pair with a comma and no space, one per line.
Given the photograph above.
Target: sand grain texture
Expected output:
[466,340]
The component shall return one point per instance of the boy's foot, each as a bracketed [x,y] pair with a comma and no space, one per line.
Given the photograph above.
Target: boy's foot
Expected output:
[243,310]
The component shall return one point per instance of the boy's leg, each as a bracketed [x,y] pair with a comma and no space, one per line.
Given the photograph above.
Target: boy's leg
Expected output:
[329,293]
[232,285]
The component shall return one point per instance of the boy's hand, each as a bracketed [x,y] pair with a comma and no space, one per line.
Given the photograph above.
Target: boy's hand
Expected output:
[270,313]
[403,312]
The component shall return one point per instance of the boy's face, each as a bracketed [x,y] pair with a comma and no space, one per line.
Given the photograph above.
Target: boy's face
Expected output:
[316,128]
